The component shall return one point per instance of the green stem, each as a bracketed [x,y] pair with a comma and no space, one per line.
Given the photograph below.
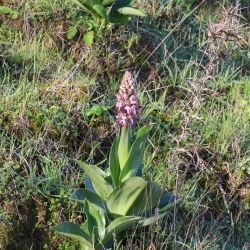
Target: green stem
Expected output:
[124,146]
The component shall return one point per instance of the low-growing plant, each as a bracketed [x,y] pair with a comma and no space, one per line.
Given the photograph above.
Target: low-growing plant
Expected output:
[118,199]
[5,10]
[102,12]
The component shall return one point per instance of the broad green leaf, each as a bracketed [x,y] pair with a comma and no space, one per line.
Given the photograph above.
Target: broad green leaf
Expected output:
[166,198]
[123,198]
[108,2]
[151,220]
[114,165]
[147,200]
[124,146]
[108,178]
[89,37]
[88,184]
[114,16]
[117,18]
[100,10]
[83,247]
[135,155]
[135,197]
[120,3]
[92,2]
[72,31]
[119,225]
[73,231]
[82,194]
[96,220]
[129,11]
[85,228]
[102,187]
[8,11]
[167,207]
[139,172]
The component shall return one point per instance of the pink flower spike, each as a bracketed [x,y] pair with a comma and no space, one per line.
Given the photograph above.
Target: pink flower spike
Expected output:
[127,101]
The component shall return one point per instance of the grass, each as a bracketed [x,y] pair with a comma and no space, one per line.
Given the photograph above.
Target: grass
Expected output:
[56,106]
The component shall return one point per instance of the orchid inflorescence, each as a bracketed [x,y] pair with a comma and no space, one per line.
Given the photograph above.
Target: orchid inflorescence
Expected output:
[127,101]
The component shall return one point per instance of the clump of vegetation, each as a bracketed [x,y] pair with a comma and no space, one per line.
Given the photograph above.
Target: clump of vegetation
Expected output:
[112,11]
[119,199]
[191,66]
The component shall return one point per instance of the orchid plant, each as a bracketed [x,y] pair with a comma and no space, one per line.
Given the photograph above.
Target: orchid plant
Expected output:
[119,198]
